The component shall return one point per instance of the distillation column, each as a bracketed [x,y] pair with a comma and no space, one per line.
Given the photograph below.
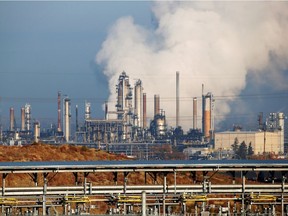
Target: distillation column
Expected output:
[67,116]
[28,118]
[138,103]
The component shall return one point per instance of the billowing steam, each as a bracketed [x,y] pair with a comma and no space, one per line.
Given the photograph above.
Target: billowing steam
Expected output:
[216,44]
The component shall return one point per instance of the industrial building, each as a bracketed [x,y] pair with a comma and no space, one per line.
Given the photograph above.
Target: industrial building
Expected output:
[268,139]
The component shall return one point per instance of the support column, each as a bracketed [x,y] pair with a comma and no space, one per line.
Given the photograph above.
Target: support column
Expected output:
[143,203]
[76,177]
[282,193]
[164,193]
[243,174]
[175,183]
[44,194]
[4,175]
[85,182]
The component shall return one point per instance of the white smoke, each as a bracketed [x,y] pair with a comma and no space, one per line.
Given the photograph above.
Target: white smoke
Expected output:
[214,43]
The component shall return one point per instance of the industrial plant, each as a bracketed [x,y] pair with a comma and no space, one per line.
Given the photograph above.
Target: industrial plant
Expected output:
[126,129]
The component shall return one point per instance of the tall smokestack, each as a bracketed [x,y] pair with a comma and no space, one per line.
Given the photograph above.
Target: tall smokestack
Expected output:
[203,105]
[156,105]
[59,112]
[22,119]
[12,119]
[207,116]
[177,99]
[144,111]
[76,113]
[194,113]
[106,110]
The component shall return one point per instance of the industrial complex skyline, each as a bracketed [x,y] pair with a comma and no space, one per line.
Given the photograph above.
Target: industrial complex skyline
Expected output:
[80,48]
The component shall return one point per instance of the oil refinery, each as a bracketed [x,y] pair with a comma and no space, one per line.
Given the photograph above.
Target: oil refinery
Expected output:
[127,127]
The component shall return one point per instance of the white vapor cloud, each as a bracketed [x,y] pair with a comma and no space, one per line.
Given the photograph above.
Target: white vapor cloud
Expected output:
[214,43]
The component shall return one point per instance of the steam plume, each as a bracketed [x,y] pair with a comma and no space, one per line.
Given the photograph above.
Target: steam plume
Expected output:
[215,43]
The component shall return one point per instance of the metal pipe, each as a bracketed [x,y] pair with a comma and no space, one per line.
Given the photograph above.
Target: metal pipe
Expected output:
[143,203]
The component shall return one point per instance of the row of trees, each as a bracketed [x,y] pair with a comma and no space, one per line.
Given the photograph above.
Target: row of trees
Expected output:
[242,151]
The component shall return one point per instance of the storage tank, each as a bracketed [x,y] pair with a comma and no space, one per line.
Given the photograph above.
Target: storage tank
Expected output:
[161,125]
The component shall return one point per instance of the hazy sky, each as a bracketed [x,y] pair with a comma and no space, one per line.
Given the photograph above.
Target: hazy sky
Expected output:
[239,50]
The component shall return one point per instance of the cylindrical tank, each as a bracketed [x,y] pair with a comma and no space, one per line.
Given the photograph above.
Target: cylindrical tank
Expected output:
[12,119]
[156,105]
[194,113]
[160,126]
[138,103]
[36,131]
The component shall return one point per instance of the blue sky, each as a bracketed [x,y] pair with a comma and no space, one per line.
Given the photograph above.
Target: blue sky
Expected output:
[51,46]
[48,47]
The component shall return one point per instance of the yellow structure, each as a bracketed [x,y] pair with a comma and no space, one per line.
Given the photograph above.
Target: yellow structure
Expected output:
[261,141]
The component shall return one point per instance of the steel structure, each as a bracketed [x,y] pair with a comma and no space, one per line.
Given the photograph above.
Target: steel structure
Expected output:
[161,194]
